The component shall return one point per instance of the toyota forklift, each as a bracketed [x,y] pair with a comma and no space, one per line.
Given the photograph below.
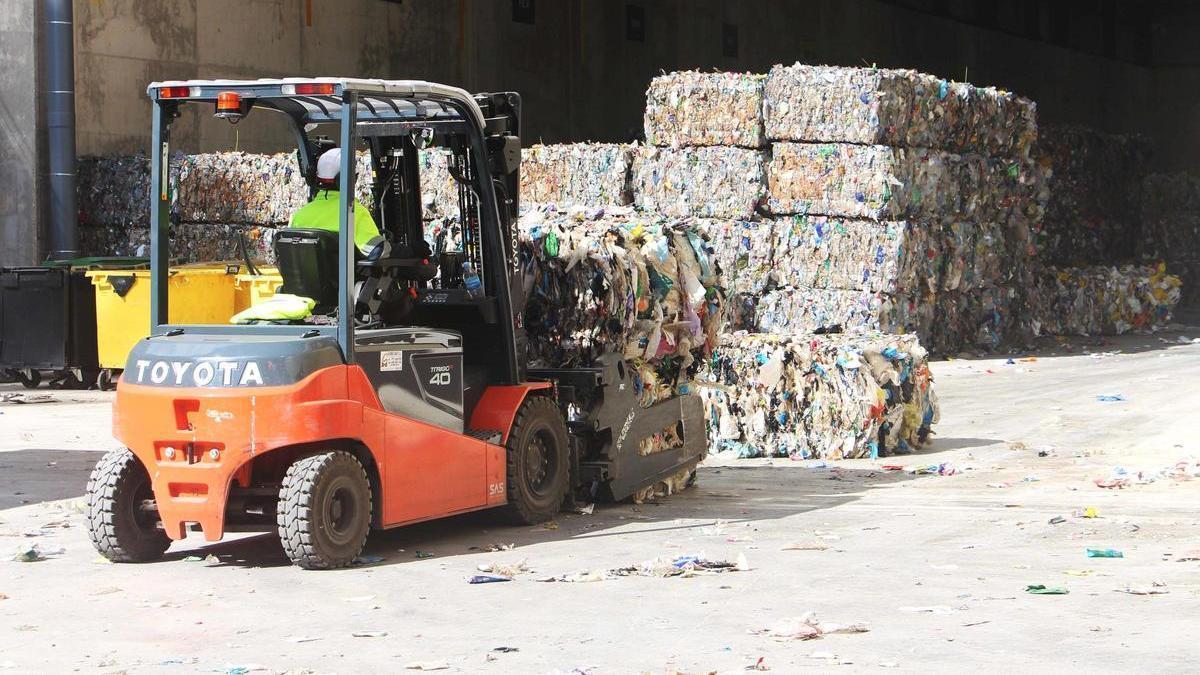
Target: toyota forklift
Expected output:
[405,396]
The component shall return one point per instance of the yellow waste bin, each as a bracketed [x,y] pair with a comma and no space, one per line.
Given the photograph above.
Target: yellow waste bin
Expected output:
[197,294]
[251,289]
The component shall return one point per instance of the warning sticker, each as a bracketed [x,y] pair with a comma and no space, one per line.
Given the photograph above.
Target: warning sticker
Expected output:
[391,361]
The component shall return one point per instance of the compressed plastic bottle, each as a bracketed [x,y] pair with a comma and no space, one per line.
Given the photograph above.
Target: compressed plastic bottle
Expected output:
[471,280]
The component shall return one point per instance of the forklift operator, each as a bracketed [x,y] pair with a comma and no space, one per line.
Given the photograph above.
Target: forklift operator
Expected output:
[322,212]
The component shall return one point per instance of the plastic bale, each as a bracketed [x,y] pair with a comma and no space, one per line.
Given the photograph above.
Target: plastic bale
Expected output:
[706,182]
[637,286]
[818,396]
[1097,184]
[439,190]
[589,174]
[801,309]
[819,252]
[694,108]
[745,250]
[1101,300]
[901,108]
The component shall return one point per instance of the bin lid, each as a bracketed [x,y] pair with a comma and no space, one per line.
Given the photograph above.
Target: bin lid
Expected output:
[93,262]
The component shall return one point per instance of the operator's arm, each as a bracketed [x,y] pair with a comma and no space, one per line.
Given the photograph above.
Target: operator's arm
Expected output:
[365,228]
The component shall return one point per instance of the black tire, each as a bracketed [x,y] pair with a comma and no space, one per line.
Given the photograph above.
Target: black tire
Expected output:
[30,381]
[121,530]
[105,380]
[324,511]
[538,462]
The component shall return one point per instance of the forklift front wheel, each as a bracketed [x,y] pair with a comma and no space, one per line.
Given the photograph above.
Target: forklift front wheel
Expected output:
[324,510]
[121,518]
[537,462]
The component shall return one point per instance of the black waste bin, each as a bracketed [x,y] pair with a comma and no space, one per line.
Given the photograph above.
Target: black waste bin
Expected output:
[47,323]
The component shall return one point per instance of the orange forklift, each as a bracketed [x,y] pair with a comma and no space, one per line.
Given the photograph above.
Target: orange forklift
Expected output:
[405,395]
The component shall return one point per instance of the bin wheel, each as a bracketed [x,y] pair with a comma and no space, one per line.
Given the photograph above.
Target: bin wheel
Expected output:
[324,511]
[122,526]
[105,380]
[537,462]
[30,381]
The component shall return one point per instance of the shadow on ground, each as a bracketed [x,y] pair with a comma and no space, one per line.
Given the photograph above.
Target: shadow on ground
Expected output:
[733,494]
[38,475]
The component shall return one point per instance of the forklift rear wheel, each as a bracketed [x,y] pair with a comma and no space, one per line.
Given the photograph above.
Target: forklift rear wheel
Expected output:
[121,521]
[537,462]
[30,381]
[324,510]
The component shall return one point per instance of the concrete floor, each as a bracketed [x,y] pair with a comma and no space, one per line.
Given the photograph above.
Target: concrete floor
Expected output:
[894,542]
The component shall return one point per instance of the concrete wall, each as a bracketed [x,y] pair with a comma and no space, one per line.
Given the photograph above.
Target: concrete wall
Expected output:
[580,75]
[20,135]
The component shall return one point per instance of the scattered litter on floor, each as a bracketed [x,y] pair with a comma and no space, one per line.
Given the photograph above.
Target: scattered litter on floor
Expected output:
[682,566]
[1110,398]
[1079,573]
[1039,589]
[369,633]
[808,627]
[1153,589]
[37,553]
[930,609]
[427,665]
[1104,553]
[943,469]
[510,569]
[487,579]
[303,638]
[368,559]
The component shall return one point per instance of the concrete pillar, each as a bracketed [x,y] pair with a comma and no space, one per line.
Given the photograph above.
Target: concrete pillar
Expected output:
[21,135]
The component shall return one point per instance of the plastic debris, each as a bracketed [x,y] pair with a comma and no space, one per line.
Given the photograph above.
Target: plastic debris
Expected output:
[931,609]
[1104,553]
[37,553]
[1040,589]
[818,396]
[694,108]
[1110,397]
[1155,588]
[487,579]
[809,627]
[427,665]
[369,633]
[504,569]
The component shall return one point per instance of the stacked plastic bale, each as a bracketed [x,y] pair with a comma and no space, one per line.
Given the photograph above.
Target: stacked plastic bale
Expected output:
[217,200]
[937,174]
[1105,300]
[819,396]
[1171,228]
[589,174]
[639,286]
[1093,214]
[705,158]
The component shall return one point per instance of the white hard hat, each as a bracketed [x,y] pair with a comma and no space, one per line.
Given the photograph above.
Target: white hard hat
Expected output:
[329,164]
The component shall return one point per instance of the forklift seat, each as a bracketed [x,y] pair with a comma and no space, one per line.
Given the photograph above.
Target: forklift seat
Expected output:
[308,262]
